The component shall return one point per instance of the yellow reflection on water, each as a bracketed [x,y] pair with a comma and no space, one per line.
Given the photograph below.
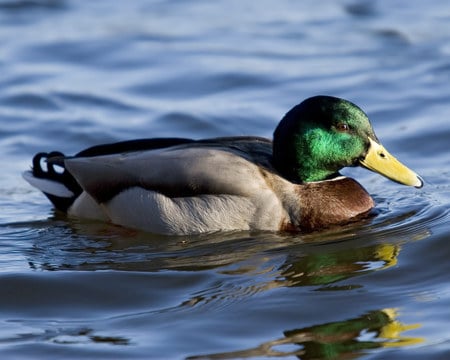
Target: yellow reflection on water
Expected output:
[325,268]
[394,329]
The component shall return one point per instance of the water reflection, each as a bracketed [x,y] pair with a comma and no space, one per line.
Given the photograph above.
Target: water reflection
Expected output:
[326,268]
[96,246]
[322,260]
[238,265]
[347,339]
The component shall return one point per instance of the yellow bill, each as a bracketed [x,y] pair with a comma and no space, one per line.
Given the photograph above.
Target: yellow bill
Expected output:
[379,160]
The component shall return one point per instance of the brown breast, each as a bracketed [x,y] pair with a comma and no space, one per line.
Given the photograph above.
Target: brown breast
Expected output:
[326,203]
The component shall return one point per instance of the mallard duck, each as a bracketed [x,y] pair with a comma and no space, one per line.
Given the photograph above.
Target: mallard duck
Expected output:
[183,186]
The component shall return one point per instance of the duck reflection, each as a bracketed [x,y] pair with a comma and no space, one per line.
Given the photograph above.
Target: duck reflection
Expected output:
[325,268]
[347,339]
[303,266]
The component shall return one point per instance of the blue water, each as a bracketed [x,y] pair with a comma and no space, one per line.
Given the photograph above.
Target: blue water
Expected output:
[79,73]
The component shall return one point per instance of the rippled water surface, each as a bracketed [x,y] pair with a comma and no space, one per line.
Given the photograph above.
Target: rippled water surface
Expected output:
[79,73]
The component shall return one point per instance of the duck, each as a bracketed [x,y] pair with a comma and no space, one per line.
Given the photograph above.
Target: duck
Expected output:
[181,186]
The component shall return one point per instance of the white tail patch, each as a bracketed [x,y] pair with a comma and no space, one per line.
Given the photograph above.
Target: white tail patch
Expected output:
[48,186]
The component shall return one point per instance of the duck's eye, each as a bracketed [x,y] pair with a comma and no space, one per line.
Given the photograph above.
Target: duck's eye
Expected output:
[342,127]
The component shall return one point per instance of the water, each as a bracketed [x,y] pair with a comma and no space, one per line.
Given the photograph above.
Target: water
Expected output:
[75,74]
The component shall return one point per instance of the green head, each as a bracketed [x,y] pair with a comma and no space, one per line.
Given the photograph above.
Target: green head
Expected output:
[323,134]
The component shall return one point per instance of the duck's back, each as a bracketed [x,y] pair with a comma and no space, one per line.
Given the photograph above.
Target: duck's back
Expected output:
[179,186]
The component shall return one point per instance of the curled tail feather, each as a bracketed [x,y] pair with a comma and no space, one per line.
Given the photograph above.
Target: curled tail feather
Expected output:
[60,187]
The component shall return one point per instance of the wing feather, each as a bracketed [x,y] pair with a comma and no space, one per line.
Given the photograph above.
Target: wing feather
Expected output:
[179,171]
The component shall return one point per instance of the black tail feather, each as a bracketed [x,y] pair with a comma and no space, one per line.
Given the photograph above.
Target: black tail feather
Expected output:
[45,167]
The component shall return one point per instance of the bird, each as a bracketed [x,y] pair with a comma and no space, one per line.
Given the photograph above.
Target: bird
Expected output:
[182,186]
